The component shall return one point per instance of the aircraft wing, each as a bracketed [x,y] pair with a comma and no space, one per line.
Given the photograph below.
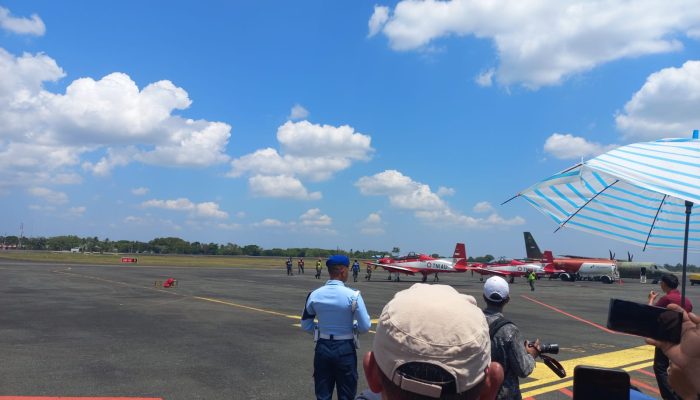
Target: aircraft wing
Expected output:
[395,268]
[486,271]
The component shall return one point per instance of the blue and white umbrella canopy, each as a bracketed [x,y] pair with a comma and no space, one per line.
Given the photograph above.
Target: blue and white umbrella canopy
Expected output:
[642,193]
[635,193]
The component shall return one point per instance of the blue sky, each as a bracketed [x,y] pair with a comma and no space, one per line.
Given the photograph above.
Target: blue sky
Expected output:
[357,125]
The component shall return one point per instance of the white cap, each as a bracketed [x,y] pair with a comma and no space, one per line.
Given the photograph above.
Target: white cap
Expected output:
[437,325]
[496,289]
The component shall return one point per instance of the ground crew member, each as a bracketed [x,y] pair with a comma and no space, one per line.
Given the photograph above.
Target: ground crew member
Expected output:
[300,266]
[318,269]
[369,272]
[336,307]
[289,266]
[355,270]
[531,280]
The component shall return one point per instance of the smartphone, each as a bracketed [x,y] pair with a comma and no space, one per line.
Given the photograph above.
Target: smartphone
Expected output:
[645,320]
[601,383]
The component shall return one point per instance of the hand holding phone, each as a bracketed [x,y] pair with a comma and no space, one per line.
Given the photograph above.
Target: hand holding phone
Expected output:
[645,320]
[601,383]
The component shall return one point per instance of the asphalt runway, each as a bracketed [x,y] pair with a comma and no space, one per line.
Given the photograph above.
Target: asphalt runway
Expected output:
[225,333]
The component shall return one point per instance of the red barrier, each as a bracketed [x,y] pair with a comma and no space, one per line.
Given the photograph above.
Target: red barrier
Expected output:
[128,260]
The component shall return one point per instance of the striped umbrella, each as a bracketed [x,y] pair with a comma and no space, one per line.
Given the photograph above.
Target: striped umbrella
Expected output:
[642,193]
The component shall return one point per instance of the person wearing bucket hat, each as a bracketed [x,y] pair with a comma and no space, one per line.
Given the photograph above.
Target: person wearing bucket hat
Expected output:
[341,315]
[507,345]
[432,342]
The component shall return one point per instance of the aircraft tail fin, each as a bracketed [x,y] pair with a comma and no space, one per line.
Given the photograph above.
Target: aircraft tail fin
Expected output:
[548,257]
[531,247]
[460,257]
[460,252]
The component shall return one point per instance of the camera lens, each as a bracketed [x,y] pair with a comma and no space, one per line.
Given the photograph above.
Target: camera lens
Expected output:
[551,348]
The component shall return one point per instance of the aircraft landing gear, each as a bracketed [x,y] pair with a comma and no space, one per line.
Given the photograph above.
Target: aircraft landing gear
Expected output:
[511,280]
[425,278]
[481,279]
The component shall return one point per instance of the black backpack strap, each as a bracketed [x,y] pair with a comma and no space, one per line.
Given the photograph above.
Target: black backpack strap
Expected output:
[497,324]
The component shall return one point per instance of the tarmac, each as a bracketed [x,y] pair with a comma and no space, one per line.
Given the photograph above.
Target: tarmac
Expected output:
[233,333]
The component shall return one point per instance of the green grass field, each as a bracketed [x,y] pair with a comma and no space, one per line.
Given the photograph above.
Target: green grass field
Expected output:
[151,260]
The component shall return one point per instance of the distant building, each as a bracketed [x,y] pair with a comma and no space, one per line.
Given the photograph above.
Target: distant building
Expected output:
[75,250]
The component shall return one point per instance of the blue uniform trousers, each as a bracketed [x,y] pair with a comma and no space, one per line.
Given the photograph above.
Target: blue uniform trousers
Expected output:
[335,363]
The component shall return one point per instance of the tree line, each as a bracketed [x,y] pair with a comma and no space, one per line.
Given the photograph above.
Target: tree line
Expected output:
[174,245]
[169,245]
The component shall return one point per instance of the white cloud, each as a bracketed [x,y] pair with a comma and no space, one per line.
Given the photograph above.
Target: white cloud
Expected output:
[542,42]
[403,192]
[570,147]
[49,195]
[270,223]
[229,227]
[23,26]
[449,217]
[307,152]
[372,225]
[483,207]
[282,186]
[304,139]
[298,112]
[313,217]
[40,208]
[48,134]
[445,191]
[113,159]
[77,211]
[407,194]
[311,221]
[377,20]
[139,191]
[666,106]
[149,221]
[207,209]
[485,79]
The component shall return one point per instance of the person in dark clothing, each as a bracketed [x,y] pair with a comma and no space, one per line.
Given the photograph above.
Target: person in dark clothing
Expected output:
[669,285]
[508,347]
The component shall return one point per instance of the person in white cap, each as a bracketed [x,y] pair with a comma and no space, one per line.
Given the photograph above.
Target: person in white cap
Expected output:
[431,343]
[508,348]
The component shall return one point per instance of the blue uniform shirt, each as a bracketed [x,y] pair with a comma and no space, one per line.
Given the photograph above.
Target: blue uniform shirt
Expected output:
[332,305]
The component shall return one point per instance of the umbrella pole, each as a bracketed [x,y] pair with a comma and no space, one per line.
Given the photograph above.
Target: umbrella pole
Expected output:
[688,210]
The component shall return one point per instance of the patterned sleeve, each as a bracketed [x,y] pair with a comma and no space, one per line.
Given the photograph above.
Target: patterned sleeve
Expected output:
[523,363]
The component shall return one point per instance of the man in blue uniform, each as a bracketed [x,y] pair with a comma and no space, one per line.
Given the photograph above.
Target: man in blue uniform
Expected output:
[340,312]
[355,270]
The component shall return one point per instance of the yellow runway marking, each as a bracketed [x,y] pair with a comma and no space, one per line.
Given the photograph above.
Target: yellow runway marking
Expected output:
[628,359]
[228,303]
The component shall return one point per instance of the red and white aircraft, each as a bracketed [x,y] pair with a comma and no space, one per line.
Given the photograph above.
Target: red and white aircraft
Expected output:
[510,269]
[424,264]
[572,268]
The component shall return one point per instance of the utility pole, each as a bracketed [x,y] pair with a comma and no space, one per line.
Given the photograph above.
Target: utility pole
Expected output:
[21,234]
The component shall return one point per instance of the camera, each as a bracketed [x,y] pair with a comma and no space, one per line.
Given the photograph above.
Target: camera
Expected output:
[551,348]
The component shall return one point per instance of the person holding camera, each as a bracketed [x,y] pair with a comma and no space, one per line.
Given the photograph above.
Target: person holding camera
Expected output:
[508,348]
[669,285]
